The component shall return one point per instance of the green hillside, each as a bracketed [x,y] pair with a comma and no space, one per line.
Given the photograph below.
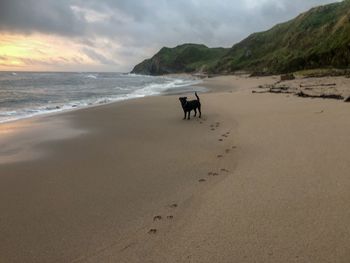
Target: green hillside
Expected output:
[319,38]
[183,58]
[315,39]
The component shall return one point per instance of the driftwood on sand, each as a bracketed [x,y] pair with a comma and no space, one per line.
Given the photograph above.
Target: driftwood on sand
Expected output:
[274,89]
[318,85]
[322,96]
[315,91]
[347,99]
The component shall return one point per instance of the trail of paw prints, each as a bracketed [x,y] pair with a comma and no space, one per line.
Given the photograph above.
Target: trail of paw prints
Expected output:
[219,157]
[224,136]
[219,172]
[214,174]
[159,218]
[227,151]
[214,126]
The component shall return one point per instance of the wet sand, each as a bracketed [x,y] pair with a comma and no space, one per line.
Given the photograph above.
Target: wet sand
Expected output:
[261,178]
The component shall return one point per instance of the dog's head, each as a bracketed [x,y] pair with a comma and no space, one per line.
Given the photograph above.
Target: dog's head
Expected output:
[183,100]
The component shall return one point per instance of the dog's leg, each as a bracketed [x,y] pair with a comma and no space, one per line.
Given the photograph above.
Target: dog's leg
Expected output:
[200,112]
[195,112]
[189,113]
[184,115]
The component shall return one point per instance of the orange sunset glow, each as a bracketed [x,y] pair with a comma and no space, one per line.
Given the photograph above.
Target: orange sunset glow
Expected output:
[38,52]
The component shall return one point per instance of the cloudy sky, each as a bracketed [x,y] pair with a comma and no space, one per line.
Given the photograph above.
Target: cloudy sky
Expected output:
[114,35]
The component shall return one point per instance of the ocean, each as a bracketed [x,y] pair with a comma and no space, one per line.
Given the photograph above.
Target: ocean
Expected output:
[24,94]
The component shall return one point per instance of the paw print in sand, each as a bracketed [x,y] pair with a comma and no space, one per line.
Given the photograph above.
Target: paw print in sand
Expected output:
[152,231]
[156,218]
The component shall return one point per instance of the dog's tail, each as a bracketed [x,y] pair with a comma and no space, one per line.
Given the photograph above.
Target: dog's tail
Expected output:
[197,96]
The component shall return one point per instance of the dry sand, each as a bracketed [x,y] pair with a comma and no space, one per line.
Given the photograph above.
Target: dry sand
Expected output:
[281,193]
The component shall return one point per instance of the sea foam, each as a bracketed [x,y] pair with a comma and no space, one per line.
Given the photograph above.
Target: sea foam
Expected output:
[30,94]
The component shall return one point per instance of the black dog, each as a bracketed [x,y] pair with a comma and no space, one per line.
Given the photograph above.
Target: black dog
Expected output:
[189,106]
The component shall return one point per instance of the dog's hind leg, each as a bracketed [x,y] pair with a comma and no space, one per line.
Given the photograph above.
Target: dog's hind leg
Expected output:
[200,112]
[195,112]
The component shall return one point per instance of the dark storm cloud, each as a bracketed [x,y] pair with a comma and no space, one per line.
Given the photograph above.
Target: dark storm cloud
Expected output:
[192,19]
[47,16]
[140,27]
[169,22]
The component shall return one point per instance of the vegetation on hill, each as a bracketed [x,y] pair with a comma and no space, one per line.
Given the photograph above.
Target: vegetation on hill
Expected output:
[315,39]
[319,38]
[183,58]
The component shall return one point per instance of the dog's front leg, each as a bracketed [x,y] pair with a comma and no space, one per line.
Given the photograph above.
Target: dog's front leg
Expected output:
[184,115]
[189,115]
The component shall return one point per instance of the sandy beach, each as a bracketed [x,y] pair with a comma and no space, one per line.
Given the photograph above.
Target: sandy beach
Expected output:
[260,178]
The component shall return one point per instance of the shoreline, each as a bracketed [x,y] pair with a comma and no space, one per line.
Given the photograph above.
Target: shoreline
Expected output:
[46,121]
[258,178]
[209,85]
[76,105]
